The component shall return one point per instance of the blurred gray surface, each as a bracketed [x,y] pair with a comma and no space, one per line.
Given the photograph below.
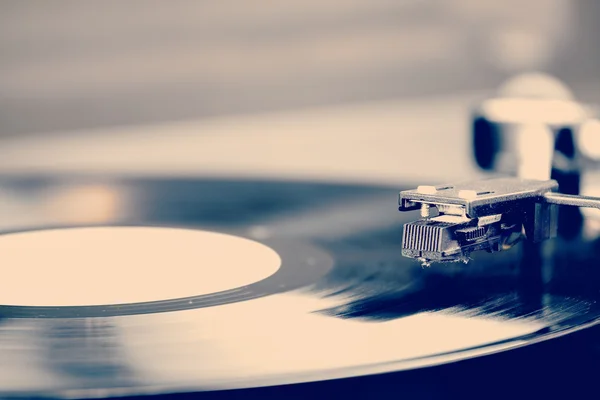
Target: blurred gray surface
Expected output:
[67,65]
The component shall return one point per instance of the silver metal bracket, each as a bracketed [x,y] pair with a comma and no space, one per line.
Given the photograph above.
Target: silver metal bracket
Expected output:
[489,214]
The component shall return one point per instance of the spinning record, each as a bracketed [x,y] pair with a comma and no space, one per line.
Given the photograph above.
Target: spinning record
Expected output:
[117,287]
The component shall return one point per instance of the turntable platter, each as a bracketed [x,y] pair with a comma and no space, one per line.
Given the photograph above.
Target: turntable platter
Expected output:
[317,290]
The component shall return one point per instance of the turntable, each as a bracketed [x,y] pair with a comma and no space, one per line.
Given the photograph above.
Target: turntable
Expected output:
[136,264]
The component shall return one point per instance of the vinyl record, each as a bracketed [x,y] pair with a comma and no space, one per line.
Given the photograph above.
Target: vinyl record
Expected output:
[120,287]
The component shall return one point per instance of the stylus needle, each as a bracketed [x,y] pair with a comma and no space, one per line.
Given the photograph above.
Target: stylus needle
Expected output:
[572,200]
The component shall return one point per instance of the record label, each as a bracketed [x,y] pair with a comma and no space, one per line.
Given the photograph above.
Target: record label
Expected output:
[119,265]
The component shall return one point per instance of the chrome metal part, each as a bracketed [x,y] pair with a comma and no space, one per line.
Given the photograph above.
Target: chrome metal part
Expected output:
[572,200]
[490,214]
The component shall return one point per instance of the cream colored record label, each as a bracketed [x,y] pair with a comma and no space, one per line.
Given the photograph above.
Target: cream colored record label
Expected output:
[122,265]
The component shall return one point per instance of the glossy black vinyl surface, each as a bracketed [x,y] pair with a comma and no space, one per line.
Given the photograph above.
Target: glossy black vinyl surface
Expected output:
[357,308]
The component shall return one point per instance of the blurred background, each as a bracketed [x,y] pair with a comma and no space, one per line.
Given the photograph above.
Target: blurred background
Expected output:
[71,64]
[353,89]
